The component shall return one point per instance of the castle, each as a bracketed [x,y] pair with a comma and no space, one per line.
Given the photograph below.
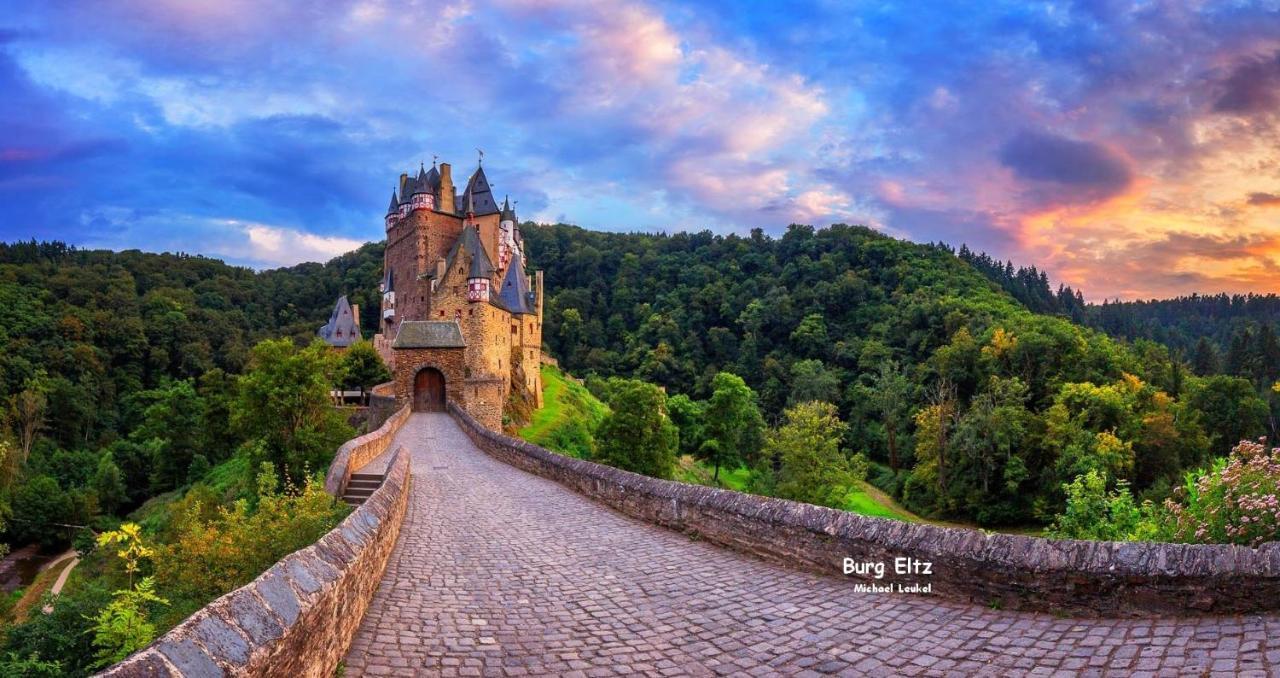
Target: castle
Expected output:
[460,319]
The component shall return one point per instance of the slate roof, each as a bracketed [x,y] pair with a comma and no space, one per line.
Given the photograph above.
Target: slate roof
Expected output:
[395,204]
[514,294]
[341,330]
[478,190]
[387,281]
[469,242]
[508,214]
[429,334]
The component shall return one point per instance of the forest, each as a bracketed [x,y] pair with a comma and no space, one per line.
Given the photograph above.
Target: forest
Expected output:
[164,415]
[968,404]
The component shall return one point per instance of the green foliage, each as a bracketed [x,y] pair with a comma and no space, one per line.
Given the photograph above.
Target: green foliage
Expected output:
[1093,512]
[172,415]
[1231,410]
[65,634]
[214,549]
[123,626]
[29,667]
[733,430]
[807,449]
[362,368]
[40,506]
[284,406]
[108,484]
[638,435]
[569,417]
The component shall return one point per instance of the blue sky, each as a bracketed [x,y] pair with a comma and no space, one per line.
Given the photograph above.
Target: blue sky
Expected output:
[1128,148]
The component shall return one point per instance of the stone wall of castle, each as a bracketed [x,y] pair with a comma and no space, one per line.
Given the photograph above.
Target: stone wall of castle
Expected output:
[1014,572]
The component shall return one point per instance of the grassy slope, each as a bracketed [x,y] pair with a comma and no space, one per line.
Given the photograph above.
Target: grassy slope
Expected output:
[568,417]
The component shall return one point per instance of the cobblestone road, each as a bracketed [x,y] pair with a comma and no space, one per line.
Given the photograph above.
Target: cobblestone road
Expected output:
[498,572]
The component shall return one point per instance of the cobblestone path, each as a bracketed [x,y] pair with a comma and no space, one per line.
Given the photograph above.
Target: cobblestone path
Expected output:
[499,572]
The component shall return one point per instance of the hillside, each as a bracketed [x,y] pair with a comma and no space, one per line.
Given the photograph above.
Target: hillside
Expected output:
[981,408]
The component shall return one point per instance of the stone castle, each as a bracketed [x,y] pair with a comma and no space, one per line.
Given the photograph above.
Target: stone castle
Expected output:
[461,320]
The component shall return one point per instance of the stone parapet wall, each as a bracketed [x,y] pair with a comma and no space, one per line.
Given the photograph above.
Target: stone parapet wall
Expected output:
[296,619]
[1015,572]
[360,451]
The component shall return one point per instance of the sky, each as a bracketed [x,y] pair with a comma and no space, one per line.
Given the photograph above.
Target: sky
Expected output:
[1132,150]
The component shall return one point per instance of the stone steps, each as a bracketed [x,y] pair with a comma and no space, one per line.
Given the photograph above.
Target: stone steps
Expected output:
[360,487]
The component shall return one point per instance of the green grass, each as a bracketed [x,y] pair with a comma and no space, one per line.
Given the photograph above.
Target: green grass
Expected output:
[865,500]
[568,418]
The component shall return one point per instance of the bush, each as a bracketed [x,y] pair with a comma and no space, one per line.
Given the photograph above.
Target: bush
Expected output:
[214,552]
[63,635]
[1236,501]
[1094,513]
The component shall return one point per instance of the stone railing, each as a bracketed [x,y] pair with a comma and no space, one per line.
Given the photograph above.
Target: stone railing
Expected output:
[359,451]
[298,618]
[1016,572]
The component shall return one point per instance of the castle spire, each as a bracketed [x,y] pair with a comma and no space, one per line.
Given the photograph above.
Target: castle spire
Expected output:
[395,204]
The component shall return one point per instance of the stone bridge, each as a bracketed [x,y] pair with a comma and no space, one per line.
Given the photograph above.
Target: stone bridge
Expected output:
[499,572]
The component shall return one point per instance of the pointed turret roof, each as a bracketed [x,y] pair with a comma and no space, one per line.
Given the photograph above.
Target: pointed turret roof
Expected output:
[508,214]
[478,190]
[514,295]
[341,330]
[469,242]
[420,184]
[395,204]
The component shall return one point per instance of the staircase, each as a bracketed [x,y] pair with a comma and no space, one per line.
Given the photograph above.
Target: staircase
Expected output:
[360,487]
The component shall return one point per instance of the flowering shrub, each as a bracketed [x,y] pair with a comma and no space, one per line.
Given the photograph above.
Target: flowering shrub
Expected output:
[1237,501]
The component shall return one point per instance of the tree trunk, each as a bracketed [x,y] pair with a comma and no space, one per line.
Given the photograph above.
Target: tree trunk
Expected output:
[893,447]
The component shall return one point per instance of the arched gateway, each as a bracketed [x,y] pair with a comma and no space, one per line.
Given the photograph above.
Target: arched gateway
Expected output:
[428,390]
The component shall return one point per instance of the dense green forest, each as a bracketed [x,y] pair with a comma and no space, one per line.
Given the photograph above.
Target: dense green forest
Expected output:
[143,387]
[970,405]
[1233,334]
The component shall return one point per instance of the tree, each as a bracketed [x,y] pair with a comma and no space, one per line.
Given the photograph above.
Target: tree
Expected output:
[812,467]
[108,483]
[1205,361]
[172,416]
[688,416]
[638,435]
[41,511]
[812,381]
[362,368]
[27,413]
[283,404]
[734,428]
[1231,410]
[889,392]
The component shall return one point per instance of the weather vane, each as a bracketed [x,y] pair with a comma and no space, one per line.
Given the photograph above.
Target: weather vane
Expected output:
[481,160]
[433,159]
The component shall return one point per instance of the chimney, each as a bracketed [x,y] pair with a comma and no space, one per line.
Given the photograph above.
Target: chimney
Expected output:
[439,274]
[355,315]
[446,188]
[404,179]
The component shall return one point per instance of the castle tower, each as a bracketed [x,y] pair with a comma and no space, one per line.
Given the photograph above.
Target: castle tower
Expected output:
[423,197]
[460,316]
[393,212]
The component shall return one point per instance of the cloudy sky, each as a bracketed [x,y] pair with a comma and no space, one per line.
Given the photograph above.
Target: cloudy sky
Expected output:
[1131,149]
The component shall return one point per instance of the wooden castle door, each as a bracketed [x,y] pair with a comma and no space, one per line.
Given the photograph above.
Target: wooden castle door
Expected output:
[428,390]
